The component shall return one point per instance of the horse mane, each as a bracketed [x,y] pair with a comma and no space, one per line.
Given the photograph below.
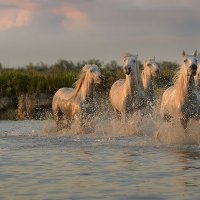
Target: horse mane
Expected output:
[125,55]
[180,83]
[77,85]
[143,80]
[177,75]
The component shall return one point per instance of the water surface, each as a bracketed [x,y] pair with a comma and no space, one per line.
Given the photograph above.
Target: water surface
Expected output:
[34,165]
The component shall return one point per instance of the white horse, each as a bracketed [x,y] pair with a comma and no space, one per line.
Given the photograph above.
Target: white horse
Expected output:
[77,102]
[197,82]
[126,95]
[150,70]
[180,101]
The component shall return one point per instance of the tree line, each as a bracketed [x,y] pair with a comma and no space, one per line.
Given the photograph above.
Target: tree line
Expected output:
[43,78]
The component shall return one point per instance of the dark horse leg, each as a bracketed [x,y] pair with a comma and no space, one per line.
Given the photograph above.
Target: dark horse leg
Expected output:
[184,122]
[58,117]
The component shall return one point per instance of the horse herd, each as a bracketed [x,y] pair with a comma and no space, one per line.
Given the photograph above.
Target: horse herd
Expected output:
[134,93]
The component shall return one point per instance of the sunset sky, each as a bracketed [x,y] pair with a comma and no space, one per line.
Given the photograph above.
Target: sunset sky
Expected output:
[47,30]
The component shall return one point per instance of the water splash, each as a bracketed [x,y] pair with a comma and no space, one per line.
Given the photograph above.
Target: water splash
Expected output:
[147,126]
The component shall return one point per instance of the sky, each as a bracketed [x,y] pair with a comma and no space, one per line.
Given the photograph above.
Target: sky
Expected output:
[48,30]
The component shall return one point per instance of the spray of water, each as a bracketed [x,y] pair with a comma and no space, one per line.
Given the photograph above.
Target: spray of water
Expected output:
[107,124]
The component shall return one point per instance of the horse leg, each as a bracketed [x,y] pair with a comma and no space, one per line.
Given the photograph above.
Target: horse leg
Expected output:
[85,122]
[167,117]
[58,117]
[118,114]
[184,122]
[68,123]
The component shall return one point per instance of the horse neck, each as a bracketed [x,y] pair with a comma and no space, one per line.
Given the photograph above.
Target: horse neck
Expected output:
[185,87]
[147,81]
[132,83]
[197,82]
[86,91]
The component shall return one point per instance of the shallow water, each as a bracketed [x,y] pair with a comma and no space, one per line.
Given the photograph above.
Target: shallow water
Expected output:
[37,163]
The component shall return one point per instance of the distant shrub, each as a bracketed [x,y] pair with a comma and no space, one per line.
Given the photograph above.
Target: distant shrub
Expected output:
[13,82]
[41,78]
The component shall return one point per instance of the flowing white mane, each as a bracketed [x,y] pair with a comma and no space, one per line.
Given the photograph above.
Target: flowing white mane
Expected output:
[180,101]
[65,102]
[77,85]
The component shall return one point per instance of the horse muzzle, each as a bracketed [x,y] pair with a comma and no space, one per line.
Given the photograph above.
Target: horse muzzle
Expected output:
[158,73]
[193,68]
[102,79]
[127,70]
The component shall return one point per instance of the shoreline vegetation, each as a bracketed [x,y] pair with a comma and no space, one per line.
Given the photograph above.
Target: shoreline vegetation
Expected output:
[27,92]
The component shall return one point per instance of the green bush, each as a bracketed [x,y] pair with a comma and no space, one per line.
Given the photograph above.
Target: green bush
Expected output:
[13,82]
[48,79]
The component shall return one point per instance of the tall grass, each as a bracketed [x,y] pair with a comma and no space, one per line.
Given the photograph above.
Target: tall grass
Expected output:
[14,82]
[43,79]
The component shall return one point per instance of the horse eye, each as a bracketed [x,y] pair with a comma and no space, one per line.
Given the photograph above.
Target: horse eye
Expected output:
[148,64]
[185,60]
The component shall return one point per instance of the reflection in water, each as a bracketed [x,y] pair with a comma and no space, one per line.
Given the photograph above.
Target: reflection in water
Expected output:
[187,167]
[187,157]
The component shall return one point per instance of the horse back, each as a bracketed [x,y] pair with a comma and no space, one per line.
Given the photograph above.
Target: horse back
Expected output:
[116,94]
[62,93]
[116,88]
[170,103]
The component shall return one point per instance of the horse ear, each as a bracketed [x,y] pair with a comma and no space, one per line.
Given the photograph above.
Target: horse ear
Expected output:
[86,67]
[183,53]
[195,53]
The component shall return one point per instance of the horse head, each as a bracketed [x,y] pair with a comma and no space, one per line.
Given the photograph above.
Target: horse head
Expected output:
[152,67]
[190,63]
[129,63]
[93,74]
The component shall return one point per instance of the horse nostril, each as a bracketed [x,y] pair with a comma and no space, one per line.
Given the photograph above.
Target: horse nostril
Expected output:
[101,77]
[158,72]
[193,67]
[128,69]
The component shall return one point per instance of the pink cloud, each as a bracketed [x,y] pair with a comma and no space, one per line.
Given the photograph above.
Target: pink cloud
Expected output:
[72,17]
[17,13]
[22,4]
[12,18]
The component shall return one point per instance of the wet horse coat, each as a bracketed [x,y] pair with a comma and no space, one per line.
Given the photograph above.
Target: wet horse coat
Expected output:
[77,102]
[126,95]
[150,70]
[180,100]
[197,82]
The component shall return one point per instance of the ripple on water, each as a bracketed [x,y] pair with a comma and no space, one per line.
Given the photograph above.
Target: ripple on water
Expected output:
[35,163]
